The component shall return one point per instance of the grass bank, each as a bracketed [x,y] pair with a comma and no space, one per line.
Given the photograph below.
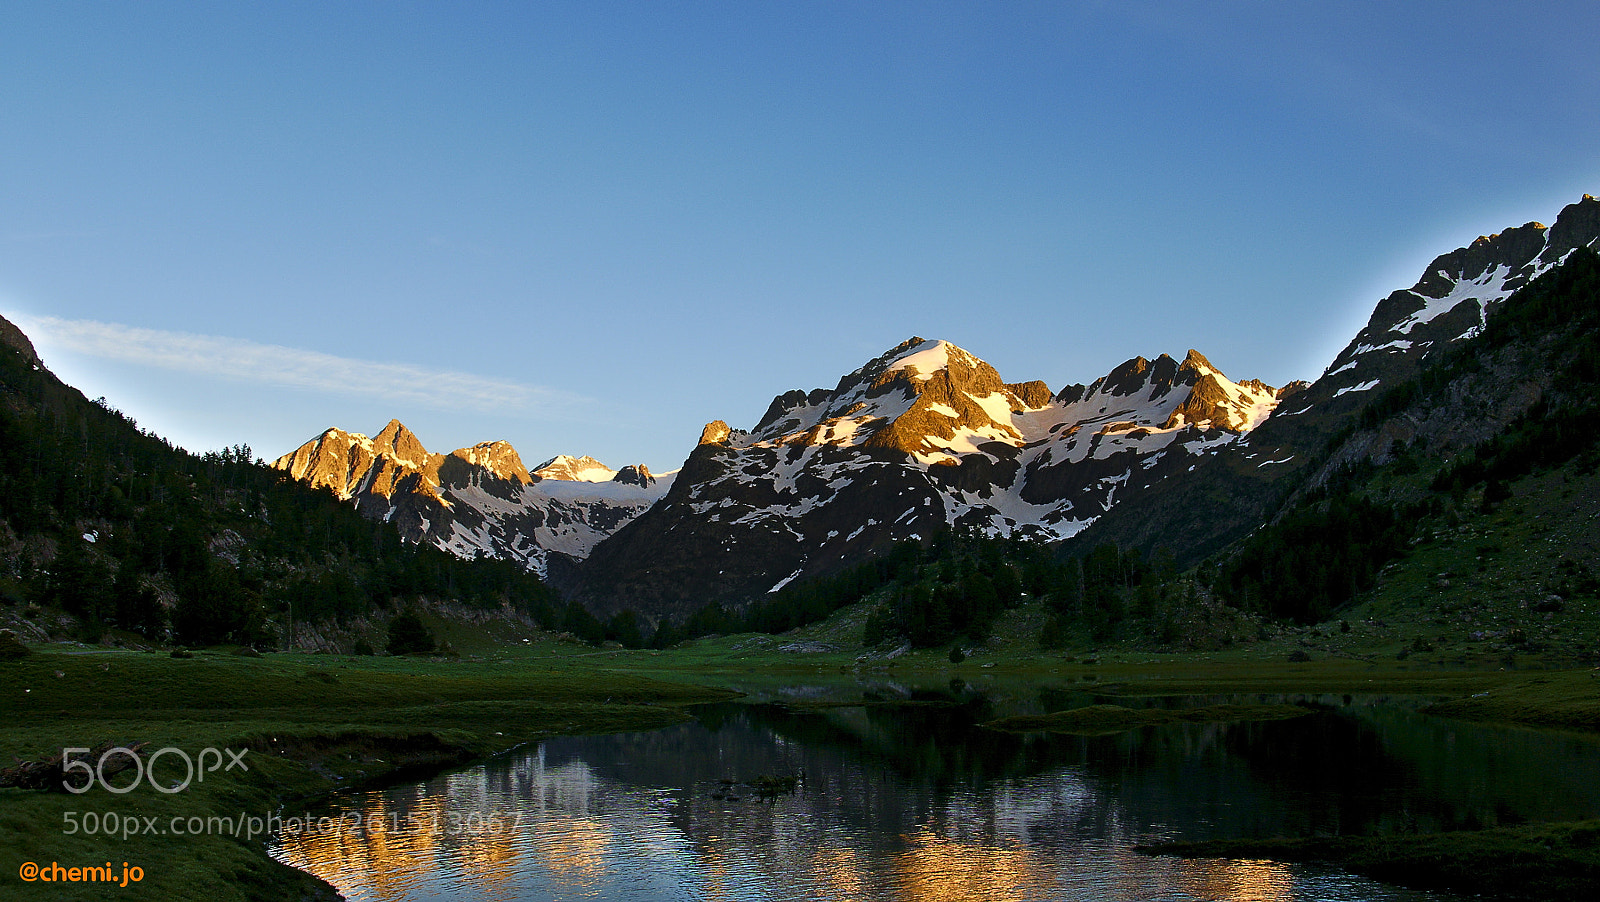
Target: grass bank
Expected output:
[1542,862]
[311,725]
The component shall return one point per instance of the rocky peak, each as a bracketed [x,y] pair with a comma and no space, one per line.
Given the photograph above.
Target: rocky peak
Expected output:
[479,499]
[956,393]
[1452,300]
[335,460]
[1033,395]
[871,374]
[1512,248]
[787,402]
[498,458]
[1166,394]
[401,444]
[1577,226]
[929,362]
[917,390]
[1130,376]
[1488,270]
[1196,362]
[922,437]
[12,337]
[635,474]
[1072,394]
[1224,405]
[351,464]
[906,367]
[715,432]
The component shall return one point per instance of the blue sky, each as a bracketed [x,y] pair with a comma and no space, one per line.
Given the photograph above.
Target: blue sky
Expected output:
[590,228]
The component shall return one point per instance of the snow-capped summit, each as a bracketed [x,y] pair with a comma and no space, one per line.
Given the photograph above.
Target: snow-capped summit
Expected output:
[916,398]
[924,436]
[575,469]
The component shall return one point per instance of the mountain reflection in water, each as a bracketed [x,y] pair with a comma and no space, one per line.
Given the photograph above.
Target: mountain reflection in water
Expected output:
[917,803]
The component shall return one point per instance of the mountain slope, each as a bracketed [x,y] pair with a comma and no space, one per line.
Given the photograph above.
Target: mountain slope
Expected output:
[476,500]
[1328,428]
[924,437]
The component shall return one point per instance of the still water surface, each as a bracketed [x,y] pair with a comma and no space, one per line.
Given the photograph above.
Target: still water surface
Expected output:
[915,802]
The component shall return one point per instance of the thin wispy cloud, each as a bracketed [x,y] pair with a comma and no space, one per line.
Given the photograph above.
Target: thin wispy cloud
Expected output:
[265,364]
[19,237]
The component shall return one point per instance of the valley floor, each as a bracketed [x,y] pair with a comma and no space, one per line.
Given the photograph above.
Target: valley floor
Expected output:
[315,724]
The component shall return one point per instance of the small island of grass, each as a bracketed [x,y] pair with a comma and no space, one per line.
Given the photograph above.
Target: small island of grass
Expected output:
[1115,718]
[1533,862]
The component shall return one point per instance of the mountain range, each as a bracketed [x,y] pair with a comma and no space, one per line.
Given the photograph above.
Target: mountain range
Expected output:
[477,500]
[1157,453]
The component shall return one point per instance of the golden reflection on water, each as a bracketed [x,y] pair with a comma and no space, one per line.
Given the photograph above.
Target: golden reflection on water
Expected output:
[845,873]
[938,869]
[1237,881]
[577,854]
[384,848]
[467,838]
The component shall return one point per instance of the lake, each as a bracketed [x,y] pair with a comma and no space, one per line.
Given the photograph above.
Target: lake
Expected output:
[905,797]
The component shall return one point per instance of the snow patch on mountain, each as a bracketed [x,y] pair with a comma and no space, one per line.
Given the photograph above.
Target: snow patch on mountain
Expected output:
[926,359]
[1365,386]
[1487,288]
[928,436]
[575,469]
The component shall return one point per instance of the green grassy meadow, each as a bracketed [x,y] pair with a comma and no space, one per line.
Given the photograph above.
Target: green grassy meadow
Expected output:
[316,724]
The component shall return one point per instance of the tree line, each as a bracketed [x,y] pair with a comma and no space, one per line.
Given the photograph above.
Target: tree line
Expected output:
[123,530]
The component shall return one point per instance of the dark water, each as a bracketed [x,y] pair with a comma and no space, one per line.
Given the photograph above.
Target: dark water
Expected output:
[915,802]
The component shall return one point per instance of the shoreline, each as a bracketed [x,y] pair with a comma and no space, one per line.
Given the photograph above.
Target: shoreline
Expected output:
[318,726]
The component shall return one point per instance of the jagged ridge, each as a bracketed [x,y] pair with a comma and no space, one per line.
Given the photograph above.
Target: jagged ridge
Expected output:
[922,437]
[480,499]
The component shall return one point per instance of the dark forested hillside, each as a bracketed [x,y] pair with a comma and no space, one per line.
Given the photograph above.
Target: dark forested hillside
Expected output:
[1387,473]
[118,529]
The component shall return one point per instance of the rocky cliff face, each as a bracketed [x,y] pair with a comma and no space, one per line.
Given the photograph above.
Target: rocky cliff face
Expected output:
[923,437]
[480,499]
[1448,304]
[12,337]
